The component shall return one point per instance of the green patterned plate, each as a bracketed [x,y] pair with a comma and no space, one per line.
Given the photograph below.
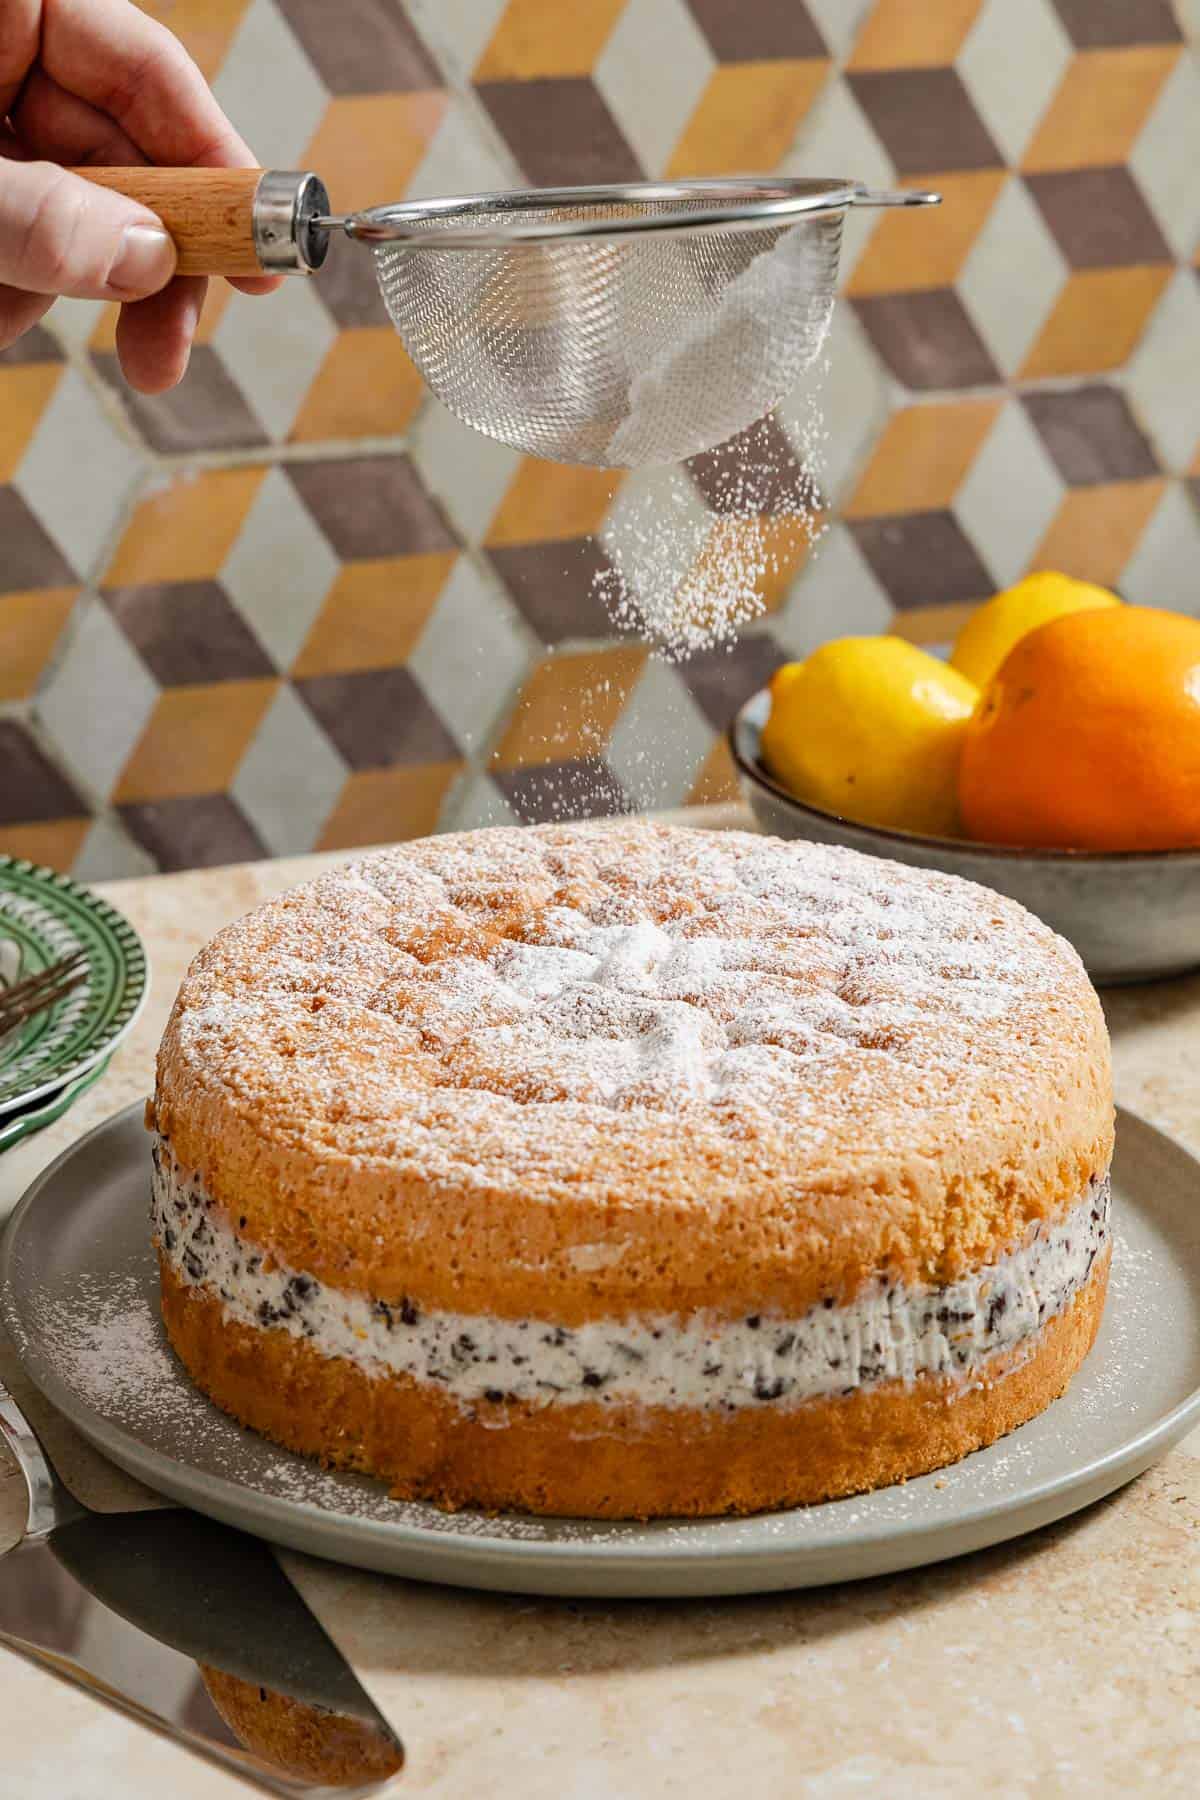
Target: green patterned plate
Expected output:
[43,917]
[24,1121]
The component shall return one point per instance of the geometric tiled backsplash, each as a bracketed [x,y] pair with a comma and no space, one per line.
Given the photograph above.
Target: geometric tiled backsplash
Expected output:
[295,604]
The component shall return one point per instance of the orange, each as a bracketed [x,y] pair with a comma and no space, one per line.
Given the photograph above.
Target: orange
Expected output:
[1088,736]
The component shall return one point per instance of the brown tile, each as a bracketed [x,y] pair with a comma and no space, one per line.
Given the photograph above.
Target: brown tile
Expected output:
[548,500]
[925,118]
[374,613]
[543,37]
[927,339]
[372,506]
[389,806]
[568,707]
[348,288]
[187,632]
[25,391]
[54,843]
[922,457]
[554,586]
[899,35]
[758,469]
[1097,529]
[205,27]
[1096,321]
[720,681]
[1094,22]
[932,624]
[207,411]
[905,252]
[747,117]
[362,46]
[194,740]
[368,146]
[582,788]
[184,530]
[194,831]
[29,559]
[1091,434]
[1098,217]
[923,559]
[30,626]
[1101,105]
[32,346]
[560,131]
[378,717]
[31,788]
[755,30]
[718,779]
[366,387]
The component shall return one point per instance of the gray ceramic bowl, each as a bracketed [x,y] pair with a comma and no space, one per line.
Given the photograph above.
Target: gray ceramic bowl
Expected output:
[1132,916]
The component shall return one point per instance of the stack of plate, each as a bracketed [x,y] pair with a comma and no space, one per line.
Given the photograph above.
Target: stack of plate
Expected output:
[46,1063]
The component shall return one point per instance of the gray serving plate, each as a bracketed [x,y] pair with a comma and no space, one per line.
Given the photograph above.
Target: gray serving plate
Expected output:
[1132,916]
[80,1299]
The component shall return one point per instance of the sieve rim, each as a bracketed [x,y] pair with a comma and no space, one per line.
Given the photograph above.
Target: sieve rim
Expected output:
[737,203]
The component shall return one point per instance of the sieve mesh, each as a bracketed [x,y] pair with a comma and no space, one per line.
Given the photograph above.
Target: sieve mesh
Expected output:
[620,353]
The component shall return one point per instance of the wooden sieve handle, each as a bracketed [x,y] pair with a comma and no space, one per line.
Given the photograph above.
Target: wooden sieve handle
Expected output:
[231,221]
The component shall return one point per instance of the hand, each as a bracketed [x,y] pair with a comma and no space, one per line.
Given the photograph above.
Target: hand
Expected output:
[98,82]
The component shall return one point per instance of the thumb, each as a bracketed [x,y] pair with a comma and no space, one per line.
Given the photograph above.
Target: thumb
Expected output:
[60,234]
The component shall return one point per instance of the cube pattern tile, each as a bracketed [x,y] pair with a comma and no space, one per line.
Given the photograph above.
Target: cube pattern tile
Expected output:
[295,604]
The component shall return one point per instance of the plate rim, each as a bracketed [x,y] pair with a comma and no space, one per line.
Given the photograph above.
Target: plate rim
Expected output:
[1099,1475]
[135,963]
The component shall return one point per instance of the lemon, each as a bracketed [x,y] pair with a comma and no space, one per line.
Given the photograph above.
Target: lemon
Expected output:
[993,628]
[871,728]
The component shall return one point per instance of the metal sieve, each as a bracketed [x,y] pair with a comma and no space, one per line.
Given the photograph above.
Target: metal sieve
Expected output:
[618,326]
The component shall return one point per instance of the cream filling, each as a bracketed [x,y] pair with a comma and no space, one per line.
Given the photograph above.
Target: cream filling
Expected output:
[888,1332]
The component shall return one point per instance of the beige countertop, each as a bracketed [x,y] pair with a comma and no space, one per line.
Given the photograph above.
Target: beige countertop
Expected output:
[1062,1664]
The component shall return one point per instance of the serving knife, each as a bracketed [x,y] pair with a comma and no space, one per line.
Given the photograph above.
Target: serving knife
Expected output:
[191,1627]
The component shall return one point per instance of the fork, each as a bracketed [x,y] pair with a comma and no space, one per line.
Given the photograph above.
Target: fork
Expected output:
[36,992]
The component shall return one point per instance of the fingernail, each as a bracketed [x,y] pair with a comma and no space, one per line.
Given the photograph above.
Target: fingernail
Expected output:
[145,261]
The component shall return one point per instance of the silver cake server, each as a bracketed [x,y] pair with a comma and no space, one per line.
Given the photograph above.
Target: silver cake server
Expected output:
[194,1629]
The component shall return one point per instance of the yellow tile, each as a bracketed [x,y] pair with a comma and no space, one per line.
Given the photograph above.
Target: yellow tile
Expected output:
[913,34]
[205,27]
[1097,529]
[104,334]
[747,116]
[25,390]
[569,706]
[923,455]
[366,387]
[544,37]
[1101,105]
[374,613]
[905,253]
[194,740]
[54,842]
[717,780]
[185,529]
[932,624]
[29,629]
[553,501]
[368,145]
[778,544]
[1096,321]
[387,806]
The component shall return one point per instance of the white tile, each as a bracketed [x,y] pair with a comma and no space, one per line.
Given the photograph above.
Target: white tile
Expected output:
[459,30]
[652,72]
[837,140]
[462,159]
[78,472]
[280,569]
[472,653]
[466,471]
[1008,499]
[835,414]
[835,595]
[478,803]
[110,854]
[1166,157]
[660,742]
[838,21]
[1160,379]
[274,348]
[97,698]
[270,89]
[290,777]
[1161,571]
[1012,276]
[74,321]
[655,529]
[1012,62]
